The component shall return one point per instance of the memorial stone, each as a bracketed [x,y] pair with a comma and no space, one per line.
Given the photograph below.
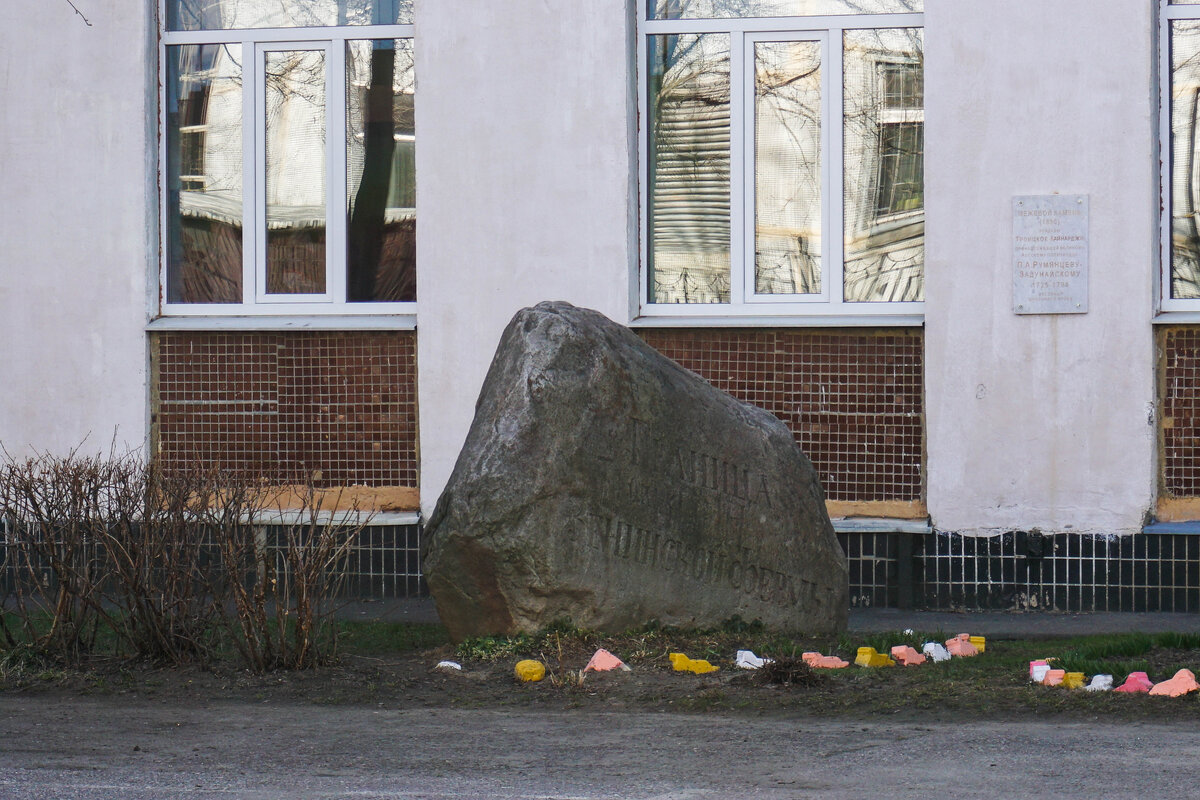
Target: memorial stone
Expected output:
[602,483]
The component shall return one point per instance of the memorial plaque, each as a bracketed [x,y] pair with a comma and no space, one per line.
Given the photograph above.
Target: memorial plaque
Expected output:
[1050,254]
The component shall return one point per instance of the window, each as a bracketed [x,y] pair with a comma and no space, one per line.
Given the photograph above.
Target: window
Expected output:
[289,157]
[782,158]
[1181,106]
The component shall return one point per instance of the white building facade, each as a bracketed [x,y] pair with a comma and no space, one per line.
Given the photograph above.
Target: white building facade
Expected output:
[287,236]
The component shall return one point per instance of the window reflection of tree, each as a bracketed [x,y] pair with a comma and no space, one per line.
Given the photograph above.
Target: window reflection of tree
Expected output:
[787,121]
[1185,261]
[1185,114]
[204,228]
[193,15]
[882,145]
[196,15]
[381,240]
[734,9]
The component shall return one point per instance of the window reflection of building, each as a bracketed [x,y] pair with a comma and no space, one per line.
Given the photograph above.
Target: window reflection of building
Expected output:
[884,165]
[193,113]
[901,140]
[294,170]
[296,125]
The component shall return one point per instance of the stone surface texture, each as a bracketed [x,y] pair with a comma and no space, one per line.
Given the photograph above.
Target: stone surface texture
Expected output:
[602,483]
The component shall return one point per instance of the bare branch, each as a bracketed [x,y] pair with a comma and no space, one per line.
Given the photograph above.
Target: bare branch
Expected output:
[80,13]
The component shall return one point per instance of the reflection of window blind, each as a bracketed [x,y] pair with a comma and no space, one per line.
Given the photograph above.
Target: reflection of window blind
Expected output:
[691,171]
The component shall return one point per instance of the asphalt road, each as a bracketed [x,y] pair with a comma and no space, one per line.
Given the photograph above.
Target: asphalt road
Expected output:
[133,750]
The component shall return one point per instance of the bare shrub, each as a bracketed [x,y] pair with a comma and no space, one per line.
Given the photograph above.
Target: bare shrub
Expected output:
[289,575]
[113,555]
[103,548]
[158,553]
[53,510]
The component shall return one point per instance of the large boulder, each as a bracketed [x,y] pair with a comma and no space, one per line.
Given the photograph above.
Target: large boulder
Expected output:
[603,483]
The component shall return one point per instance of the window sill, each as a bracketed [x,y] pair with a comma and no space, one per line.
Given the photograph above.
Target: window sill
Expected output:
[781,321]
[1176,318]
[1188,528]
[880,525]
[367,518]
[349,322]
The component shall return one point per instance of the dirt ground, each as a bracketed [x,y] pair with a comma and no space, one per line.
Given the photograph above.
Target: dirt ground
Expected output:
[991,686]
[395,726]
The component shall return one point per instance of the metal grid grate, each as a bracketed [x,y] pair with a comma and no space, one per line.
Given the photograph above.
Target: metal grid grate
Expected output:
[871,560]
[854,400]
[1024,571]
[339,408]
[383,564]
[386,563]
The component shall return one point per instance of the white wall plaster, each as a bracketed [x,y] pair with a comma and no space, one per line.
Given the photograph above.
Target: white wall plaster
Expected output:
[523,167]
[76,200]
[524,116]
[1038,421]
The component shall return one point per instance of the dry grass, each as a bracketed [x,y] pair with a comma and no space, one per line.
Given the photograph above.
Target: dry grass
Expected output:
[788,672]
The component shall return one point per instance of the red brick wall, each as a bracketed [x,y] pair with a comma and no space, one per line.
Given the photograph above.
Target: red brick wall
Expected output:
[339,407]
[854,399]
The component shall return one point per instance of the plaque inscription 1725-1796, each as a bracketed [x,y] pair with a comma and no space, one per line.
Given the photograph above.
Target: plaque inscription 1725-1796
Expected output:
[1050,254]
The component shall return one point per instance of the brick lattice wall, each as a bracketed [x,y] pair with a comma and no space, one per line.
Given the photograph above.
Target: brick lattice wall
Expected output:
[853,399]
[338,407]
[1179,410]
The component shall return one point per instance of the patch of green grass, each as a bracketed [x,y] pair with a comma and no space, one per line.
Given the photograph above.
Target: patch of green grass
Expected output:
[848,644]
[16,663]
[549,639]
[1118,654]
[216,644]
[1122,646]
[372,637]
[1177,641]
[1118,669]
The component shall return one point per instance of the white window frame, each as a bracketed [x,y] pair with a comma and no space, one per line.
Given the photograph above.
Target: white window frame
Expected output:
[256,303]
[745,308]
[1169,309]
